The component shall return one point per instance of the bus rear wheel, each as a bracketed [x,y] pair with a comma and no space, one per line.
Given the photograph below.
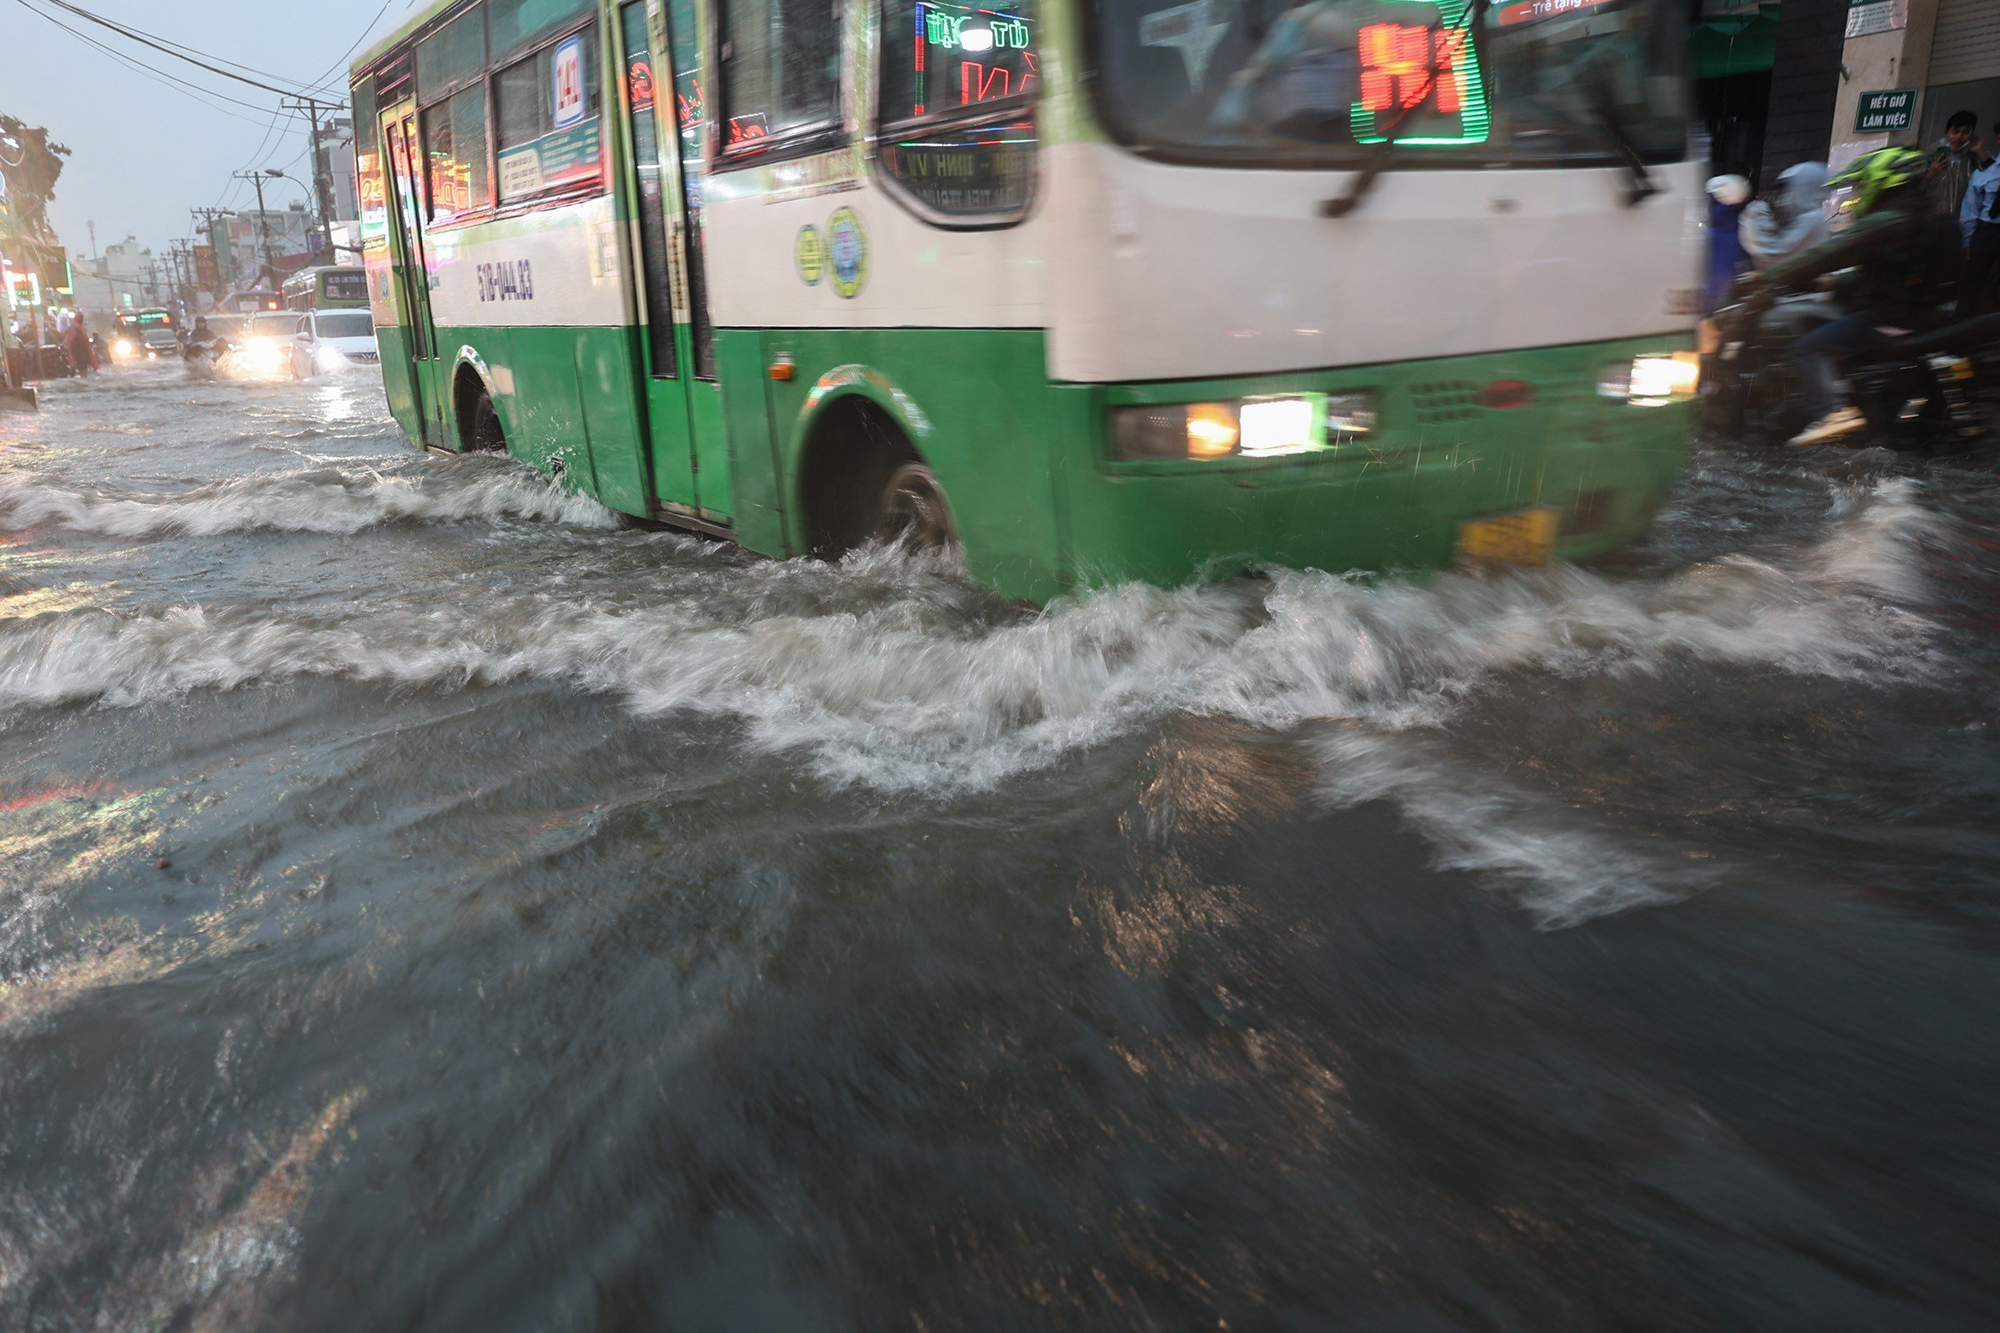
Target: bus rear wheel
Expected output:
[487,435]
[912,511]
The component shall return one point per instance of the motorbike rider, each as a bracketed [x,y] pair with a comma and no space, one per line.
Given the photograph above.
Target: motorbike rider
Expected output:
[1792,219]
[204,341]
[1904,254]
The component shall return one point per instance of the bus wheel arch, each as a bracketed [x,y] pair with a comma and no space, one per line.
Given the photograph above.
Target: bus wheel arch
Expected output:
[860,474]
[479,428]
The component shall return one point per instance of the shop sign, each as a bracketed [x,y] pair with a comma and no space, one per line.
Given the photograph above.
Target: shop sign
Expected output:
[1865,18]
[1885,111]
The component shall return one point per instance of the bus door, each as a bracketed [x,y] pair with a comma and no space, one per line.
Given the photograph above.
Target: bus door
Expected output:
[688,450]
[412,269]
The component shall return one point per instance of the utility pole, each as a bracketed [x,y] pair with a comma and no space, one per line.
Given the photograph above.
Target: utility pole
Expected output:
[184,270]
[256,178]
[204,221]
[322,184]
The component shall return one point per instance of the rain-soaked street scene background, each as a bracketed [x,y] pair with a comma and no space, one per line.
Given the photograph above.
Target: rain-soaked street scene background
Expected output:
[427,903]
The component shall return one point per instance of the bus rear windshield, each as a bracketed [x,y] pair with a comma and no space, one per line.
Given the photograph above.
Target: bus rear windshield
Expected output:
[1278,83]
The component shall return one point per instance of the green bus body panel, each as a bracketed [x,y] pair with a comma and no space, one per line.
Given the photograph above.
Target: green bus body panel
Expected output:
[393,342]
[974,403]
[1040,506]
[1392,501]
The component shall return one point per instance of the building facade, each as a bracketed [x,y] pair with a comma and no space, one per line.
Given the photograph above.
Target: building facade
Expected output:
[1850,76]
[122,278]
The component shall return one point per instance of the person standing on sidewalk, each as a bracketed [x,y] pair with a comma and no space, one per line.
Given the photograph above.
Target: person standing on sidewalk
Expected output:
[1954,159]
[82,360]
[1979,233]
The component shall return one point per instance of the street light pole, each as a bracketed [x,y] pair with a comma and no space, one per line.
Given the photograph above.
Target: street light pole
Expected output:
[256,179]
[322,184]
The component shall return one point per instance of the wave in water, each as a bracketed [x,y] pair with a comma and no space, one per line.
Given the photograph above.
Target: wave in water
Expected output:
[315,500]
[905,693]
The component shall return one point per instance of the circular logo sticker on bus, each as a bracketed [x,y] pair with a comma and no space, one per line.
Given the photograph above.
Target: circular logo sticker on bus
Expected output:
[810,254]
[847,248]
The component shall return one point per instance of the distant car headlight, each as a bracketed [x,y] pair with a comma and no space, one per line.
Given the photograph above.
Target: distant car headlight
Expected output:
[123,347]
[1652,380]
[1267,427]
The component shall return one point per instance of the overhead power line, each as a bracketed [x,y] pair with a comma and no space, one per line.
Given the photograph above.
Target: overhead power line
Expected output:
[136,32]
[160,76]
[341,63]
[145,39]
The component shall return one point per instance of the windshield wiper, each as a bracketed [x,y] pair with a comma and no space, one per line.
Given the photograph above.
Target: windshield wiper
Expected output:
[1643,186]
[1378,160]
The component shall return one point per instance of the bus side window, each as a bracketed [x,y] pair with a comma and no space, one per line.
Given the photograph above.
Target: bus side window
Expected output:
[958,86]
[780,76]
[547,106]
[456,135]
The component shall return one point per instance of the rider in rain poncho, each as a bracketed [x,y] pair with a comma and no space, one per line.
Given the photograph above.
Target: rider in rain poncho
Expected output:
[1791,222]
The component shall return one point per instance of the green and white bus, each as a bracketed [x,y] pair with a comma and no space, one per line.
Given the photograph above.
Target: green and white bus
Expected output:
[326,287]
[1095,289]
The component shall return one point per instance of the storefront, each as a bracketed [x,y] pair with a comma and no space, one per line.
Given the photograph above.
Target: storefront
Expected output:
[1964,70]
[1906,66]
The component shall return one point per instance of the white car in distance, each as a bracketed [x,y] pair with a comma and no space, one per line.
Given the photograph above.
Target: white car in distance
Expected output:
[326,340]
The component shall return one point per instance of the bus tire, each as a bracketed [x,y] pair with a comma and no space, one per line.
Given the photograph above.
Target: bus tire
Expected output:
[911,510]
[485,435]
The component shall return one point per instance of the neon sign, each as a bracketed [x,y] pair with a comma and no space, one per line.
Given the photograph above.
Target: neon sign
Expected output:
[1006,68]
[1527,11]
[1410,70]
[1001,32]
[693,104]
[1399,60]
[639,84]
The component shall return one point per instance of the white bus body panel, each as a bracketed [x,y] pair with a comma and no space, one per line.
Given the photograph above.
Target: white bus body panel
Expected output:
[919,275]
[574,275]
[1169,272]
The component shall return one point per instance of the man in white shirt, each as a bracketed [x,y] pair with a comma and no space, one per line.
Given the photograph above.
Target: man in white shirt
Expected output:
[1979,233]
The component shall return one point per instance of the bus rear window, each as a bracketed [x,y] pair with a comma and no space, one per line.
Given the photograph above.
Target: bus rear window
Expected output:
[781,73]
[956,80]
[549,123]
[1279,83]
[452,55]
[513,24]
[940,57]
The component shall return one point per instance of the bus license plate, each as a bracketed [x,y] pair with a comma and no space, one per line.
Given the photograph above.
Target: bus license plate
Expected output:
[1527,537]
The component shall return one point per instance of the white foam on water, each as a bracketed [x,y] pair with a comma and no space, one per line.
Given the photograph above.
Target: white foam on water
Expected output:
[323,500]
[895,691]
[1559,864]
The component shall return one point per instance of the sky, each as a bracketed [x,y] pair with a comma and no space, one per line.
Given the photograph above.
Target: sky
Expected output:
[142,154]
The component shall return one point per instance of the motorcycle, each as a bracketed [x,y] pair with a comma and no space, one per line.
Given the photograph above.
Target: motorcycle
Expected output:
[1934,392]
[204,360]
[1931,390]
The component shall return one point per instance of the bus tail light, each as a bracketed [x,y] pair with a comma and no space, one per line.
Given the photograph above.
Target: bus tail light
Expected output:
[1652,380]
[1245,428]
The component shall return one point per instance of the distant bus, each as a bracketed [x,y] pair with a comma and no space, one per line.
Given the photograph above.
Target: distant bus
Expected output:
[328,287]
[244,302]
[151,317]
[1121,289]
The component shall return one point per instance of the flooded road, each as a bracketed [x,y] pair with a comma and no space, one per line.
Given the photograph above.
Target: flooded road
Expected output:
[424,903]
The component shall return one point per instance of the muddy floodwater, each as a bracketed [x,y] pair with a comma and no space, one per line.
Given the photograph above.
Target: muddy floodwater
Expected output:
[425,903]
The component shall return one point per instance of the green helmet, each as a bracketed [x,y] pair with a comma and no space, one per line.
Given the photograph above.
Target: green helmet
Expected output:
[1881,174]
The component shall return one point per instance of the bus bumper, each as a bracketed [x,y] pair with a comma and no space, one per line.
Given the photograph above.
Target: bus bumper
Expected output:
[1459,441]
